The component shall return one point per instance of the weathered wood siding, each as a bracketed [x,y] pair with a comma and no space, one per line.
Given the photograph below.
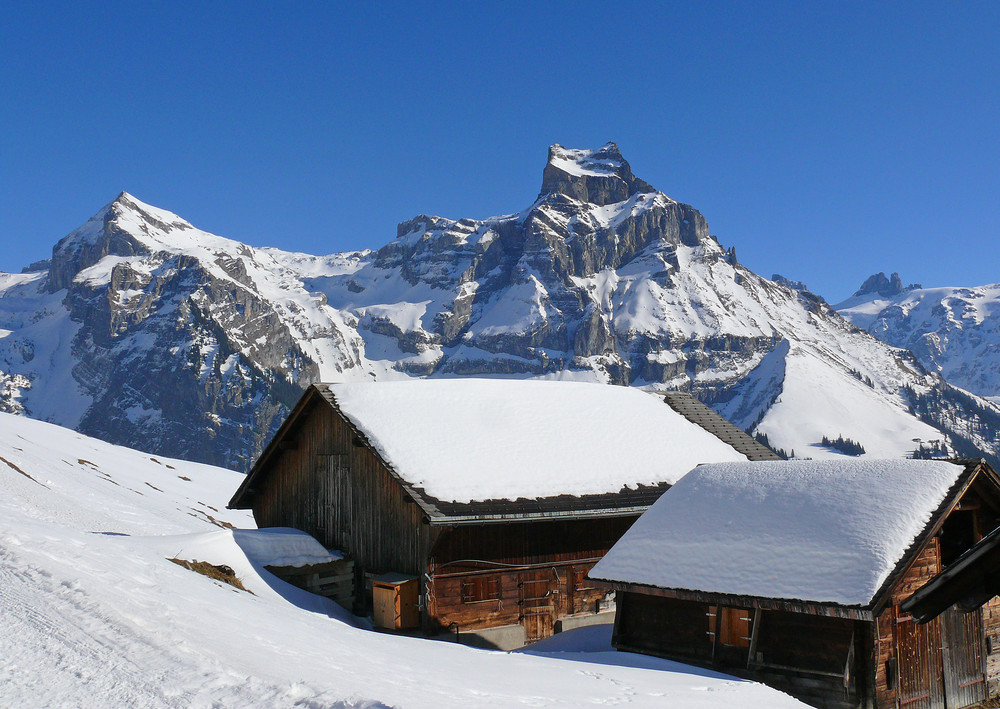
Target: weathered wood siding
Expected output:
[991,630]
[338,491]
[663,626]
[817,658]
[894,626]
[530,573]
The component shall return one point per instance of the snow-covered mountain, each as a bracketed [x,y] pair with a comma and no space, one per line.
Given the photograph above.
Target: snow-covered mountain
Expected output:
[146,331]
[95,615]
[954,331]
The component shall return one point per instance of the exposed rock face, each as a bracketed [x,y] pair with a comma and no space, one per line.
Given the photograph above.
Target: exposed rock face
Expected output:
[782,281]
[885,287]
[598,177]
[151,333]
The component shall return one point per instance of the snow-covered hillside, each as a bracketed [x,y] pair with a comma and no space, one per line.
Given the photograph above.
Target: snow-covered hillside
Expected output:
[954,331]
[146,331]
[94,615]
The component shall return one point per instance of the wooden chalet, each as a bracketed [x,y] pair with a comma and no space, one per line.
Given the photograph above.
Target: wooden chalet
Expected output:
[846,584]
[479,505]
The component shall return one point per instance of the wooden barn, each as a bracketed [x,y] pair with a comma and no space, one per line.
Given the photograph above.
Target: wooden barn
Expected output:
[805,575]
[479,506]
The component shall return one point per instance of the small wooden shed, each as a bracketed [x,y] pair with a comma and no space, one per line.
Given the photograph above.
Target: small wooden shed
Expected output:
[498,496]
[809,575]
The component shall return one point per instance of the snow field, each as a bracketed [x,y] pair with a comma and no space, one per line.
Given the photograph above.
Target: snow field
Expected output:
[94,615]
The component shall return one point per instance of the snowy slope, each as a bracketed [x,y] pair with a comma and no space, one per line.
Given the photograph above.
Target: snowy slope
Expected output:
[146,331]
[95,616]
[954,331]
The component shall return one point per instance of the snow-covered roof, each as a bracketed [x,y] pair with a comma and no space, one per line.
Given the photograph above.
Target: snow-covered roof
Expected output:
[462,440]
[829,531]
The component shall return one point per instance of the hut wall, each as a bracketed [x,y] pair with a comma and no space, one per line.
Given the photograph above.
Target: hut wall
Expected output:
[665,627]
[991,627]
[904,650]
[817,658]
[532,573]
[328,485]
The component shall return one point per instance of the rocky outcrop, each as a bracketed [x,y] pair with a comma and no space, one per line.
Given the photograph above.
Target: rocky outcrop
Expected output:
[598,177]
[885,287]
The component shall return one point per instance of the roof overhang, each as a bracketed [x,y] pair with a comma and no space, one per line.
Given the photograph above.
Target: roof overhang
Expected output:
[972,580]
[832,610]
[566,515]
[973,468]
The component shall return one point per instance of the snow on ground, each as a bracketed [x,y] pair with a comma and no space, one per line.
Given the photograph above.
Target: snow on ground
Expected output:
[824,531]
[95,616]
[480,439]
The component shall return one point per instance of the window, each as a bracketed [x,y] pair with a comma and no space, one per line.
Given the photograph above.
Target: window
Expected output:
[480,588]
[734,626]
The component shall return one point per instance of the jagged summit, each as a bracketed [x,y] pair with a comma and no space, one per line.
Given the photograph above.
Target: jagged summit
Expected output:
[885,287]
[124,227]
[600,176]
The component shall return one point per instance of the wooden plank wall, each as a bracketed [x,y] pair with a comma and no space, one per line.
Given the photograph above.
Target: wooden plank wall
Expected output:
[924,568]
[665,627]
[530,542]
[545,561]
[816,658]
[340,493]
[991,628]
[539,594]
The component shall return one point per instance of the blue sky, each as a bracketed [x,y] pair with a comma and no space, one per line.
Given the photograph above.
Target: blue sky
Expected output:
[824,141]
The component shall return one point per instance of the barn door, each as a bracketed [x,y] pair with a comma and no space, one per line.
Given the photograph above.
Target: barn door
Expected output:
[963,656]
[537,597]
[921,685]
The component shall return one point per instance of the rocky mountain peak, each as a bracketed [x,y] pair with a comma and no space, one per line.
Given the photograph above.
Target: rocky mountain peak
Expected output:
[885,287]
[600,176]
[118,229]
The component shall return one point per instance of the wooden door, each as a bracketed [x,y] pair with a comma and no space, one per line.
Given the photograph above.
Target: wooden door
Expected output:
[537,591]
[963,657]
[920,681]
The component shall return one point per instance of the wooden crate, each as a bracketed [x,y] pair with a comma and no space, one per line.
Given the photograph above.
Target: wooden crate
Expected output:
[395,599]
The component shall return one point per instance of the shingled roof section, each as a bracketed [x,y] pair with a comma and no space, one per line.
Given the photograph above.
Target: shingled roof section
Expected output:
[700,414]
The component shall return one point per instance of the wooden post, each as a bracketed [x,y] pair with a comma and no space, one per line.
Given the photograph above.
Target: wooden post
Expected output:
[751,656]
[718,631]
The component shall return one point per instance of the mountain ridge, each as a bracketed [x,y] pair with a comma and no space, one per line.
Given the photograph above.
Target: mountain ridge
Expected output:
[954,331]
[210,340]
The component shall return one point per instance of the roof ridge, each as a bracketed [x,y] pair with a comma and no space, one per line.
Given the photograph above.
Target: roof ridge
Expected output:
[699,413]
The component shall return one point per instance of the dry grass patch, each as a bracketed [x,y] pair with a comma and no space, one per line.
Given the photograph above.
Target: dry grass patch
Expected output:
[219,572]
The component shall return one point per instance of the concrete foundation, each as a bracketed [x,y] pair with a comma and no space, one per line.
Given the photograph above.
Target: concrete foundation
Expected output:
[580,621]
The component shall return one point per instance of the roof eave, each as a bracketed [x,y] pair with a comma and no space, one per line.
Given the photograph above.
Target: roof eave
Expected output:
[965,479]
[458,520]
[831,609]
